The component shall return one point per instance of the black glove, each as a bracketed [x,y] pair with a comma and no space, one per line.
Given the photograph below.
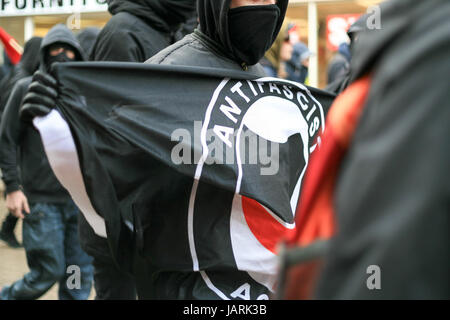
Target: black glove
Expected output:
[40,98]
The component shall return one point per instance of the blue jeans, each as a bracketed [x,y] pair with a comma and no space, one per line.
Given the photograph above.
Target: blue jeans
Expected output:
[50,239]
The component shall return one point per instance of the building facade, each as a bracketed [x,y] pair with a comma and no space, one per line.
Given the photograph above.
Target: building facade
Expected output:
[26,18]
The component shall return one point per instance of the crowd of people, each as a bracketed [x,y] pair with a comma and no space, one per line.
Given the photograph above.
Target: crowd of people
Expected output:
[375,190]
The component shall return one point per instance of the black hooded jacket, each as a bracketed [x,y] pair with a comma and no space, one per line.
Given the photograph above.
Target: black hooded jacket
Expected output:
[28,64]
[87,38]
[140,29]
[20,143]
[392,197]
[210,44]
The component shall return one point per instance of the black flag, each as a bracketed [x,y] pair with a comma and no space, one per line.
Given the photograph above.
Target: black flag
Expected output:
[205,165]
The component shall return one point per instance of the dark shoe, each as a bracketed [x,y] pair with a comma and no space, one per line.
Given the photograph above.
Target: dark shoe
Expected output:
[10,240]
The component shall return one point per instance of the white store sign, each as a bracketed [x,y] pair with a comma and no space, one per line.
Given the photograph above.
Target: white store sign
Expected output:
[10,8]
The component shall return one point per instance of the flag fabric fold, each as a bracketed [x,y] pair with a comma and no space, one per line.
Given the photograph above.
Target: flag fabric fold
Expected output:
[200,168]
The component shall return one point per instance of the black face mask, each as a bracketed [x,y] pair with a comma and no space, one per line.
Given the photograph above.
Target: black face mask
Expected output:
[61,57]
[251,30]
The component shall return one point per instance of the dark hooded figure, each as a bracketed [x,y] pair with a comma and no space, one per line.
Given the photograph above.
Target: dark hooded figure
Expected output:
[137,31]
[87,38]
[220,40]
[140,29]
[50,233]
[339,71]
[28,64]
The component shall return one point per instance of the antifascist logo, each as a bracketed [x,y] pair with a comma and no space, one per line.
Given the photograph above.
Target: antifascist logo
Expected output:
[283,119]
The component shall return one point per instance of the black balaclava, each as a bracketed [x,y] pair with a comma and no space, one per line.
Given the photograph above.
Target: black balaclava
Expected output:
[61,36]
[60,57]
[251,30]
[244,33]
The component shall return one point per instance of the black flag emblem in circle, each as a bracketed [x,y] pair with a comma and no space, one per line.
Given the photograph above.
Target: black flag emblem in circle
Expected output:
[286,121]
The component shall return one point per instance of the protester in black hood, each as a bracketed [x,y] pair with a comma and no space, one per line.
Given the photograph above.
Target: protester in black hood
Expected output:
[220,41]
[245,33]
[140,29]
[28,64]
[50,216]
[340,73]
[87,38]
[137,31]
[164,15]
[59,37]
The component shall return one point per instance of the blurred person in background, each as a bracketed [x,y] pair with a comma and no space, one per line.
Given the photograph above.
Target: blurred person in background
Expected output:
[50,217]
[280,51]
[139,29]
[6,66]
[28,64]
[87,38]
[339,65]
[343,76]
[297,67]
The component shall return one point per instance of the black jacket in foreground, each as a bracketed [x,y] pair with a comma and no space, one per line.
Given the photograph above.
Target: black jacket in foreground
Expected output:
[393,191]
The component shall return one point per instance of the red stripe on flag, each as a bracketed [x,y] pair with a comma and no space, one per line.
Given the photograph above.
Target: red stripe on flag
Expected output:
[264,227]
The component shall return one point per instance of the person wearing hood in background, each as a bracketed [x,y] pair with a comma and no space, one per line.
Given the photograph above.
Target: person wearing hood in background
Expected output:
[28,64]
[50,232]
[87,38]
[139,29]
[340,63]
[218,43]
[340,73]
[6,67]
[279,52]
[135,32]
[297,66]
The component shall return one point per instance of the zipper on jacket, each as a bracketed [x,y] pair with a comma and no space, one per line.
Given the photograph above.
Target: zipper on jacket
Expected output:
[244,66]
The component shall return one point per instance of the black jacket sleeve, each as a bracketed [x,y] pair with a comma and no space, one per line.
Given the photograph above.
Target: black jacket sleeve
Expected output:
[10,133]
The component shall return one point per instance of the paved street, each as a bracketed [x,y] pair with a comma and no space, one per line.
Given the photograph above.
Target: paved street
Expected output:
[13,264]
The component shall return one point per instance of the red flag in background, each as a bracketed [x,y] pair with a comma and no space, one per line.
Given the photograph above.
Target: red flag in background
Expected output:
[12,48]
